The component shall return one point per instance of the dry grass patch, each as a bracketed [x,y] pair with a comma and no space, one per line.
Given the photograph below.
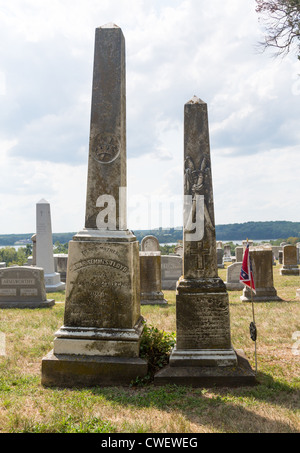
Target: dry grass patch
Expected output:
[271,406]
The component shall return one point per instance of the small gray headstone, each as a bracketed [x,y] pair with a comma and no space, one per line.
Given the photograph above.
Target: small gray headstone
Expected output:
[23,287]
[290,266]
[171,271]
[233,277]
[150,244]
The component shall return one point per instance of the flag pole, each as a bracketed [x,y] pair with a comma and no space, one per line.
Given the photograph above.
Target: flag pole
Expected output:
[254,333]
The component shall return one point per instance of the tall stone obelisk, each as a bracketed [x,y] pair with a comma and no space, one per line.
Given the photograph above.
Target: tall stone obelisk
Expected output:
[203,352]
[99,341]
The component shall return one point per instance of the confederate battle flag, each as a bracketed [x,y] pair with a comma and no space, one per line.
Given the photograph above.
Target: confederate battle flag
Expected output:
[246,276]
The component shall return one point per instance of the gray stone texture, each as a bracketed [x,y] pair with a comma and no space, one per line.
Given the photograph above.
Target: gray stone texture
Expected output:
[150,244]
[220,254]
[44,247]
[99,341]
[107,148]
[233,277]
[150,279]
[23,287]
[61,265]
[171,271]
[289,264]
[203,350]
[227,254]
[239,252]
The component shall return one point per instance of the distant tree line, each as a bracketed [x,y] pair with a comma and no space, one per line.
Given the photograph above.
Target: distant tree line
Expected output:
[231,232]
[257,230]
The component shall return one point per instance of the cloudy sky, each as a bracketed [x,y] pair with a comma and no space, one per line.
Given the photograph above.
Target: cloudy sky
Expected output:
[175,49]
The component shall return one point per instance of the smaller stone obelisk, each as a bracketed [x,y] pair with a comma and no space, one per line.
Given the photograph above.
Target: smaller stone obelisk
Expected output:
[44,247]
[203,352]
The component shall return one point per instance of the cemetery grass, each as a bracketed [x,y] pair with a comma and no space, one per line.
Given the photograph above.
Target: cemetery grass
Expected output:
[271,406]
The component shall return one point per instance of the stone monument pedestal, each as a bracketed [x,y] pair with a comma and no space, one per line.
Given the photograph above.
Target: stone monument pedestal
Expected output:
[203,355]
[289,269]
[209,376]
[53,283]
[100,339]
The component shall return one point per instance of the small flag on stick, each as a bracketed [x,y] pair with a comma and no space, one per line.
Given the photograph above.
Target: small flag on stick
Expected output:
[246,275]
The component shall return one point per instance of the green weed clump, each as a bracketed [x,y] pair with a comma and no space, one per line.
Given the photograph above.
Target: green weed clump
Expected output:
[155,347]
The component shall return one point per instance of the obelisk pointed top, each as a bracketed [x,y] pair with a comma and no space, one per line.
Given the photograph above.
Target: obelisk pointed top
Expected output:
[43,201]
[195,100]
[109,25]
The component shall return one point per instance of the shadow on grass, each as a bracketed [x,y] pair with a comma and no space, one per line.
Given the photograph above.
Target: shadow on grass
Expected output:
[223,409]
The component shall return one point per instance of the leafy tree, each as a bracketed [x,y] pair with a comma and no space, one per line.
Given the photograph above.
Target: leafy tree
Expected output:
[60,248]
[282,24]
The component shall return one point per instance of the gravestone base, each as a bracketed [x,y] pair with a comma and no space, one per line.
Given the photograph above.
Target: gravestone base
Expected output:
[209,376]
[230,286]
[203,358]
[153,298]
[53,283]
[99,341]
[289,270]
[27,304]
[203,326]
[67,370]
[104,342]
[262,295]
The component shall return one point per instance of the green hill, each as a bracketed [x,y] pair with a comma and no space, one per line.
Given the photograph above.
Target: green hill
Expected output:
[231,232]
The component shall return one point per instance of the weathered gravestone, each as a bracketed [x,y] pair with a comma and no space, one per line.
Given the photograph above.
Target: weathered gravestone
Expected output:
[203,353]
[262,265]
[44,247]
[99,341]
[227,254]
[289,264]
[280,257]
[61,265]
[220,254]
[150,272]
[171,271]
[276,249]
[233,277]
[150,244]
[150,278]
[239,251]
[23,287]
[179,250]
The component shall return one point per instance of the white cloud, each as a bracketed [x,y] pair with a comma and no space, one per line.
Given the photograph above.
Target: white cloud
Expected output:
[174,49]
